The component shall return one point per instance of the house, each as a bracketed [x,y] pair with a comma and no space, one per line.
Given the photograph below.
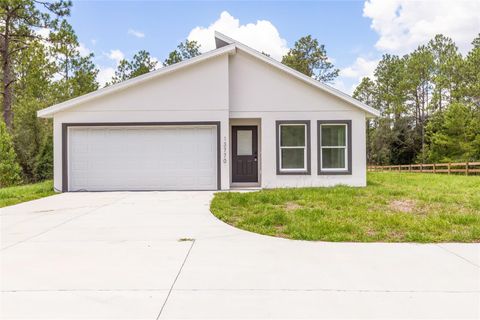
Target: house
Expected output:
[231,117]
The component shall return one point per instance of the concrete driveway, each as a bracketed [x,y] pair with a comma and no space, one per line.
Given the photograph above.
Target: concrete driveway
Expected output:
[118,255]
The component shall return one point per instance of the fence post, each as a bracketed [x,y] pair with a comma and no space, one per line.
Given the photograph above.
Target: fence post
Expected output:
[409,168]
[449,168]
[466,168]
[421,167]
[434,168]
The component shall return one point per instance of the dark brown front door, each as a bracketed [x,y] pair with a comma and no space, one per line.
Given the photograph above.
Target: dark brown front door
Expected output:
[244,154]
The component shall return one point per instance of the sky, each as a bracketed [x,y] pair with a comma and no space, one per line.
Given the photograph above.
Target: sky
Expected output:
[355,33]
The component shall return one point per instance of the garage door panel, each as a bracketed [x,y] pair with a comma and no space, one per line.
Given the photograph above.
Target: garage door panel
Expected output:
[142,158]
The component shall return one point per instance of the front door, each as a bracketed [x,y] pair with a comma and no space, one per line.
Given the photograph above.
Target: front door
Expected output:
[244,154]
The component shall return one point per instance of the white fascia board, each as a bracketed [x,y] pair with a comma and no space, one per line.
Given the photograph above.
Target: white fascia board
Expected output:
[371,112]
[50,111]
[223,39]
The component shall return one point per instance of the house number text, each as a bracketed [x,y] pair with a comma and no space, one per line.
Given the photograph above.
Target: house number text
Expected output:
[224,149]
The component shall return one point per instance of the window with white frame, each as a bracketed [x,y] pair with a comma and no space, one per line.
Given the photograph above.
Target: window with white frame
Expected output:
[333,147]
[293,150]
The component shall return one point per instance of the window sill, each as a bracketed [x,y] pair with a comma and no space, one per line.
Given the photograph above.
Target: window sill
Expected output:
[334,172]
[299,172]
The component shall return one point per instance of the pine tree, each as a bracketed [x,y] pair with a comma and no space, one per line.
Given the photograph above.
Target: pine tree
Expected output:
[77,74]
[34,91]
[446,62]
[469,89]
[310,58]
[141,63]
[19,20]
[185,50]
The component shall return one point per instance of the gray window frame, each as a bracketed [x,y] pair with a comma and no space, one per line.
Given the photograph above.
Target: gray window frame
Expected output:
[306,171]
[348,124]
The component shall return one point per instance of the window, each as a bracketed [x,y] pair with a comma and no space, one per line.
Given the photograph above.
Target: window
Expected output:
[334,147]
[244,142]
[293,150]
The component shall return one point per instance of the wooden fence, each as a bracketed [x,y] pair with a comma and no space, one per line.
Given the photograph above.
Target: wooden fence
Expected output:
[466,168]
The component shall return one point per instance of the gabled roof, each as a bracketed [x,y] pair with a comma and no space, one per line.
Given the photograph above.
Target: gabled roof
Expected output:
[48,112]
[222,40]
[225,45]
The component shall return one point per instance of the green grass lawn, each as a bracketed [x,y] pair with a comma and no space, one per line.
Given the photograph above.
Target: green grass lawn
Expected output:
[394,207]
[13,195]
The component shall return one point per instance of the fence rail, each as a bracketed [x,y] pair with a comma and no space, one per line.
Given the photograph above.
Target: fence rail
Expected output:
[467,168]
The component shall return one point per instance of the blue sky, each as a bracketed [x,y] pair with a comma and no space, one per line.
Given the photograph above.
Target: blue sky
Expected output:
[355,33]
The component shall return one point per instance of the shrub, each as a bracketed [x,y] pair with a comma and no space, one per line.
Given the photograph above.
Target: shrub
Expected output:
[44,160]
[9,169]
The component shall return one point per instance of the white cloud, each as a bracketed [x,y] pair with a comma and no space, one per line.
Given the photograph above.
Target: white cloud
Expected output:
[351,76]
[104,75]
[362,67]
[83,50]
[43,32]
[404,24]
[136,33]
[340,84]
[115,55]
[262,35]
[159,64]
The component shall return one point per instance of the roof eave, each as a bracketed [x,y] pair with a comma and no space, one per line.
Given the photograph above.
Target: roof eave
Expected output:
[50,111]
[371,112]
[225,45]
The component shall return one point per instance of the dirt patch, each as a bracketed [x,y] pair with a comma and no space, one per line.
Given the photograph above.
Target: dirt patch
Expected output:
[396,235]
[403,205]
[280,231]
[371,233]
[292,206]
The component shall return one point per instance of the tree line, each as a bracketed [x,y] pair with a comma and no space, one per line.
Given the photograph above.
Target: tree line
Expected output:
[429,99]
[42,65]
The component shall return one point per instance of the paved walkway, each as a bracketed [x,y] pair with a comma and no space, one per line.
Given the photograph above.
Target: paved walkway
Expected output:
[118,256]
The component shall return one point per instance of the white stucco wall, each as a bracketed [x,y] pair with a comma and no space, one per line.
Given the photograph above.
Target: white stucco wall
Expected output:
[258,90]
[224,88]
